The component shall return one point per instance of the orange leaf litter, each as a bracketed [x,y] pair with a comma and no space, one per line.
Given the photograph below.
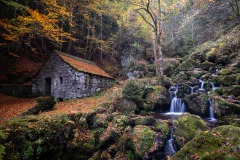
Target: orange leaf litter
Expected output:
[11,107]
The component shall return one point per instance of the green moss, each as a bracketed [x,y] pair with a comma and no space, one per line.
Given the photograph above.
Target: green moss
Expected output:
[211,55]
[132,90]
[232,90]
[187,127]
[224,106]
[222,143]
[238,80]
[230,119]
[163,127]
[225,72]
[227,80]
[143,139]
[197,104]
[144,120]
[158,95]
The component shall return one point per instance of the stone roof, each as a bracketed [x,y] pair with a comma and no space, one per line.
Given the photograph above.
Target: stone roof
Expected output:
[83,65]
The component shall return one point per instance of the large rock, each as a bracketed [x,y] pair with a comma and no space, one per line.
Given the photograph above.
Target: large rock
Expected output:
[157,98]
[143,139]
[220,143]
[197,104]
[187,127]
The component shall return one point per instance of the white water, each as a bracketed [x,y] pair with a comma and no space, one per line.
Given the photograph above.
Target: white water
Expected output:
[211,113]
[192,90]
[169,149]
[213,87]
[202,84]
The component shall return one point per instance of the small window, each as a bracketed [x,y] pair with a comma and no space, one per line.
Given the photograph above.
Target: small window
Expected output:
[61,80]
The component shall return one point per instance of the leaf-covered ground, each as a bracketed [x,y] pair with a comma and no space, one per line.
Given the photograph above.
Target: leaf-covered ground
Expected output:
[11,107]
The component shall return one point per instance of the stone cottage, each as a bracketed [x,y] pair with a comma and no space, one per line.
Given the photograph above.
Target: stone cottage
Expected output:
[65,76]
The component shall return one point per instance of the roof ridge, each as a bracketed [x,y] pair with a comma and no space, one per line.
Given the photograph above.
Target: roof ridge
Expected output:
[76,58]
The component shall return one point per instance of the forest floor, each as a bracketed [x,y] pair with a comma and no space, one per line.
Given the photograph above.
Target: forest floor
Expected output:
[11,107]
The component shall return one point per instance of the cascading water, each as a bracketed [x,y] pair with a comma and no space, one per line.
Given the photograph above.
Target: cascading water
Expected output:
[177,105]
[192,90]
[211,113]
[169,149]
[202,84]
[213,87]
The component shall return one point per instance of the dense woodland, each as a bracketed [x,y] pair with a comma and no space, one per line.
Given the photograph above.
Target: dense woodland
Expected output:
[178,52]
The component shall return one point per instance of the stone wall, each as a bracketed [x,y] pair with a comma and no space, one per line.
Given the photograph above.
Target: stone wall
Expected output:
[67,82]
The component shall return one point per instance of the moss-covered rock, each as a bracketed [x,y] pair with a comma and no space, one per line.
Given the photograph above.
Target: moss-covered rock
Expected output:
[121,121]
[225,72]
[206,65]
[110,135]
[197,104]
[221,143]
[222,106]
[128,107]
[143,138]
[187,127]
[156,98]
[227,80]
[145,120]
[230,119]
[232,90]
[100,120]
[163,129]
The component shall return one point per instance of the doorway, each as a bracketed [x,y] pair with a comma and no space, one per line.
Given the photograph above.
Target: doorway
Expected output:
[48,83]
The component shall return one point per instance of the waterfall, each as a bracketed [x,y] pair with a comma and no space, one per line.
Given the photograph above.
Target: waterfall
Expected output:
[211,113]
[213,87]
[202,84]
[169,149]
[177,105]
[192,90]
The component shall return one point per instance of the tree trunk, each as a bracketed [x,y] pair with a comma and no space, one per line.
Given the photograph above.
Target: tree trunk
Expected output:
[155,49]
[159,32]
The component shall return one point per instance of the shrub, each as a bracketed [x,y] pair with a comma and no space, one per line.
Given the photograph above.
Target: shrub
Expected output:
[133,91]
[45,103]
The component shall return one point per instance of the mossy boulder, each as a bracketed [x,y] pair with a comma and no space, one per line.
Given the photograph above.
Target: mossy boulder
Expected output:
[227,80]
[110,135]
[163,129]
[100,120]
[169,64]
[121,121]
[197,104]
[238,80]
[143,139]
[187,65]
[186,127]
[206,65]
[223,106]
[225,72]
[220,143]
[145,120]
[156,98]
[232,90]
[230,119]
[128,106]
